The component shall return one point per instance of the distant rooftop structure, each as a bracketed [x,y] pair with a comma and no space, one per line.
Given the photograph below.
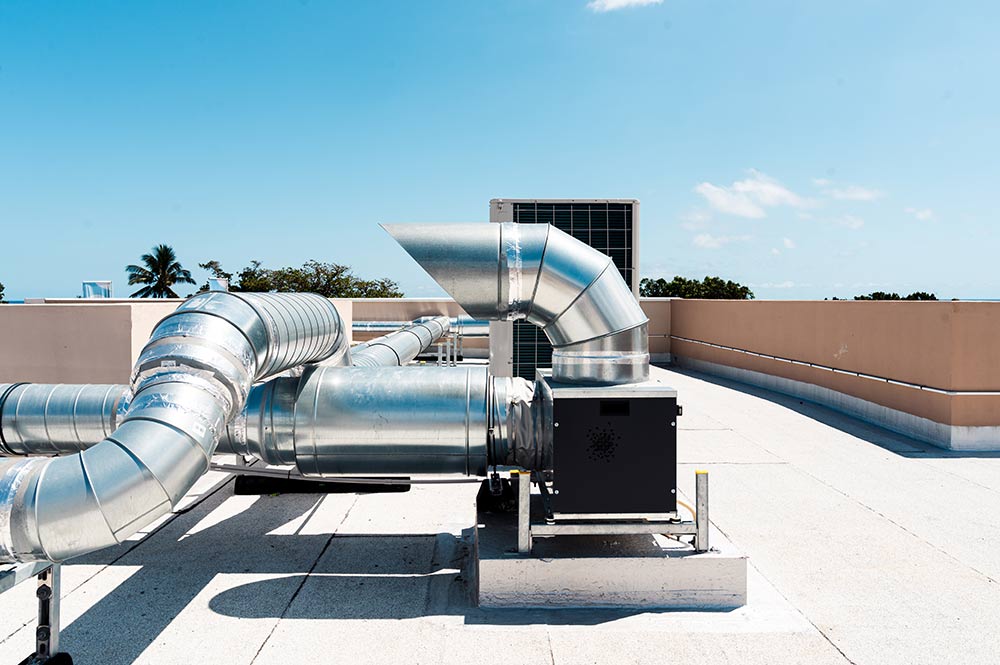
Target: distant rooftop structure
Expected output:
[98,289]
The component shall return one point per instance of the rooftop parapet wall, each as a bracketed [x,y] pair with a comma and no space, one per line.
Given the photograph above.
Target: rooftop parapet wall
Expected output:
[71,343]
[948,346]
[80,341]
[952,346]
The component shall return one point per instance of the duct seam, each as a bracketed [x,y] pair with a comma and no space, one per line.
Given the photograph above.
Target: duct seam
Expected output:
[4,449]
[511,235]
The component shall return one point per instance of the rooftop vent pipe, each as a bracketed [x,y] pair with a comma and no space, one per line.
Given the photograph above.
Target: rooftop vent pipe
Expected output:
[538,273]
[191,378]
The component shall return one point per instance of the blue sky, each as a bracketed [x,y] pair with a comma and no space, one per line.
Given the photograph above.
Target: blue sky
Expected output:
[809,149]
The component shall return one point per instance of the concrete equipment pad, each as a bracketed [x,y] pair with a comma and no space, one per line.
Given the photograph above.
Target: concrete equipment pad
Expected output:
[631,571]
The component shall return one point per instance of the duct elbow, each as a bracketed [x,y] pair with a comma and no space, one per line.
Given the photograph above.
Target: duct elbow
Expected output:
[191,379]
[540,274]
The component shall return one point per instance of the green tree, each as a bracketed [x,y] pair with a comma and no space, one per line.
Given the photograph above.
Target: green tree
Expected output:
[330,280]
[711,288]
[159,272]
[1,291]
[883,295]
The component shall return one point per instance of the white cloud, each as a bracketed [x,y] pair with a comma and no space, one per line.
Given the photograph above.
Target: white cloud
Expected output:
[850,222]
[775,251]
[726,201]
[601,6]
[708,241]
[853,193]
[789,243]
[748,198]
[847,192]
[922,214]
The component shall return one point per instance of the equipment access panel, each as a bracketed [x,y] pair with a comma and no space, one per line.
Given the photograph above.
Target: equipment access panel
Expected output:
[614,448]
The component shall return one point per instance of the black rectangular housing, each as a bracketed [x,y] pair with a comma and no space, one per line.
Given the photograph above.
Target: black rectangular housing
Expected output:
[614,454]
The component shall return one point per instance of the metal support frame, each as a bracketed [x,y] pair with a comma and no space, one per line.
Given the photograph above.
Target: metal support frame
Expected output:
[569,525]
[523,512]
[48,592]
[448,349]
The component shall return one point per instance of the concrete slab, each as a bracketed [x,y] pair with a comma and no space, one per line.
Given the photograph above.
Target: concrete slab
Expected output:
[629,571]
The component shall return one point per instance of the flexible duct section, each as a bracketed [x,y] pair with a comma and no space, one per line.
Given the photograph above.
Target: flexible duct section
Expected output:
[400,347]
[538,273]
[191,378]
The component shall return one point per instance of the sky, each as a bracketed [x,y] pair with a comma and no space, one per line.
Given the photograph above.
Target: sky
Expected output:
[808,149]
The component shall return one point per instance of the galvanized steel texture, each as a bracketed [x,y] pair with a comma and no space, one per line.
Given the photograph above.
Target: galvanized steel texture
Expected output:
[191,378]
[539,273]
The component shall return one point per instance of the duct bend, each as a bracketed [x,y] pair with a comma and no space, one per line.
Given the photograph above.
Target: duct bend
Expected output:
[541,274]
[191,378]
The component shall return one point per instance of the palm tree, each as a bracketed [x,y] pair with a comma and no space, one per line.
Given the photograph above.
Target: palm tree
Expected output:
[161,271]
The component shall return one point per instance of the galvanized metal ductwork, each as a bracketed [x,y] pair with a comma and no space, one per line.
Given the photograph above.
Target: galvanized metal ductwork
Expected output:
[56,419]
[465,326]
[400,347]
[331,421]
[389,420]
[191,378]
[538,273]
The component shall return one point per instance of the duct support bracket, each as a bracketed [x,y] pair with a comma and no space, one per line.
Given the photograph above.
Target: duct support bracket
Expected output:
[47,578]
[594,525]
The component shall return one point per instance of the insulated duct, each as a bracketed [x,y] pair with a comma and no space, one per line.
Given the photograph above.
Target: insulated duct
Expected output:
[400,347]
[191,378]
[536,272]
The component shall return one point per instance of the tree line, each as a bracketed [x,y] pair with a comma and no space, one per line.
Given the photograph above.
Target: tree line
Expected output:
[159,271]
[716,288]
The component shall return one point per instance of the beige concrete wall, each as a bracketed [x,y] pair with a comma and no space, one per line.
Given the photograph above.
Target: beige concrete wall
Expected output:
[77,343]
[944,345]
[948,345]
[658,312]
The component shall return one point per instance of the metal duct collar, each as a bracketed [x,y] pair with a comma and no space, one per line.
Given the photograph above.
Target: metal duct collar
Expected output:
[538,273]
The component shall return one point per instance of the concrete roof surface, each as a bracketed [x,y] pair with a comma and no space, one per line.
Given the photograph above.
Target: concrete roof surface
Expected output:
[864,547]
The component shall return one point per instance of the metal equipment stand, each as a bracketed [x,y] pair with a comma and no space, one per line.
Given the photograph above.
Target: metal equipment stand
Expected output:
[449,350]
[557,525]
[48,591]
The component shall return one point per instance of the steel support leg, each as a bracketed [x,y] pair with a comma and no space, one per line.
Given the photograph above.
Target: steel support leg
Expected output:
[47,631]
[524,512]
[701,507]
